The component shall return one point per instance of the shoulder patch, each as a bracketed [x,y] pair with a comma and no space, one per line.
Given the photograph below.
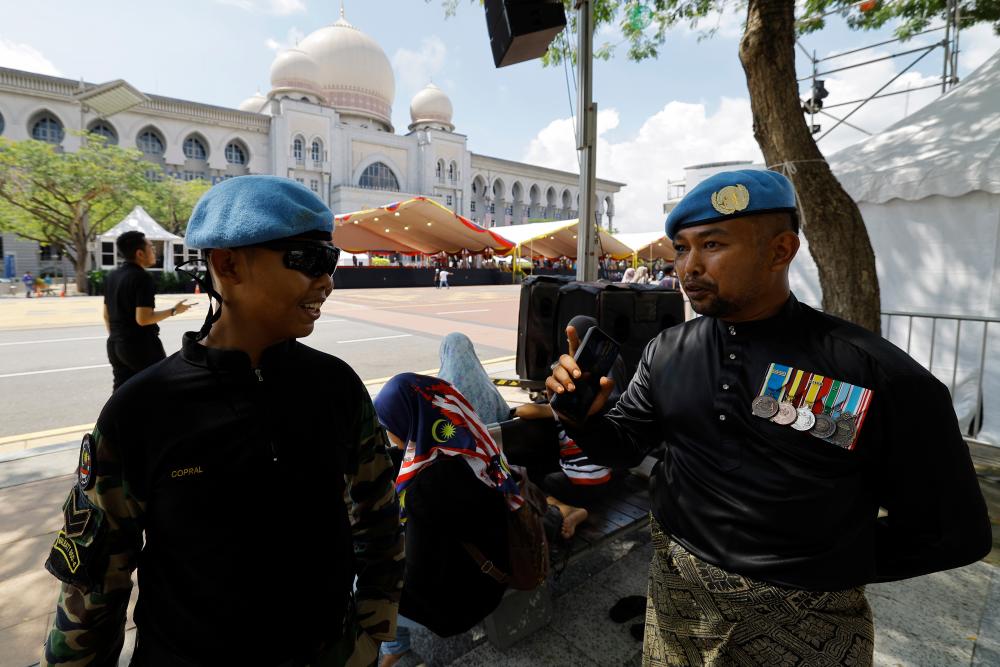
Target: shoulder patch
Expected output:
[85,471]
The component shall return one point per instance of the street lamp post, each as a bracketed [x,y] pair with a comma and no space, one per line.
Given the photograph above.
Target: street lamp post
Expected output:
[586,259]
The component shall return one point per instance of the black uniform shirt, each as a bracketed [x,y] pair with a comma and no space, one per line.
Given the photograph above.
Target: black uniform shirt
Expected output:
[129,287]
[780,505]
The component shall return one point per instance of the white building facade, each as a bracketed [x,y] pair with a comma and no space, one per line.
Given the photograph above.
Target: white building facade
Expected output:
[326,122]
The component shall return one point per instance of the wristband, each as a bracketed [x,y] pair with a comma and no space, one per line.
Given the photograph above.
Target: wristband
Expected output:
[173,311]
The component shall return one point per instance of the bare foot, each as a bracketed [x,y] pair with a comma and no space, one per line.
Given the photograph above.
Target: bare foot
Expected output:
[572,516]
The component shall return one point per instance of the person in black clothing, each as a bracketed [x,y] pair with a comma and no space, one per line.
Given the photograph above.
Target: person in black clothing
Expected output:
[787,430]
[129,310]
[455,490]
[245,478]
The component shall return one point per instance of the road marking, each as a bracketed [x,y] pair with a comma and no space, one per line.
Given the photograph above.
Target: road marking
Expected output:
[55,370]
[53,340]
[456,312]
[69,430]
[365,340]
[325,321]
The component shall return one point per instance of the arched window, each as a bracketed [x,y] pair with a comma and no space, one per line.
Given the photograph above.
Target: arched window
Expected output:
[105,130]
[297,146]
[150,143]
[452,172]
[439,171]
[317,151]
[194,149]
[378,176]
[48,129]
[235,154]
[1,123]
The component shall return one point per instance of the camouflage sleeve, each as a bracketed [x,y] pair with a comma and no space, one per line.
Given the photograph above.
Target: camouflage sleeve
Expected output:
[94,555]
[378,537]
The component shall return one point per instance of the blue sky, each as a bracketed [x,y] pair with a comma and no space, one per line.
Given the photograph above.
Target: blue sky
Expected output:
[688,106]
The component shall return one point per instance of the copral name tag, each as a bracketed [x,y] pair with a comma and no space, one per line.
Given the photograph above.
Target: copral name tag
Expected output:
[191,471]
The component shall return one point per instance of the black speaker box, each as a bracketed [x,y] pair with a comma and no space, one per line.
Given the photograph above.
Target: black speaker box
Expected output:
[536,326]
[522,29]
[635,314]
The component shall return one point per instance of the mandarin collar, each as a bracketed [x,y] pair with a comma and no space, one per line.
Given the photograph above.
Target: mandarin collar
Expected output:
[236,361]
[779,321]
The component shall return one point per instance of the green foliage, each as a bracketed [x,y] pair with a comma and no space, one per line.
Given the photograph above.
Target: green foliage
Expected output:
[67,199]
[170,201]
[913,15]
[645,42]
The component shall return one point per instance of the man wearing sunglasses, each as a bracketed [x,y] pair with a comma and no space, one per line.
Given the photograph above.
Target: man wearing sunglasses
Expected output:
[245,477]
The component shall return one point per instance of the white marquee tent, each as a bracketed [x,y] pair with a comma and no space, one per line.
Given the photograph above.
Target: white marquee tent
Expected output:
[138,220]
[929,190]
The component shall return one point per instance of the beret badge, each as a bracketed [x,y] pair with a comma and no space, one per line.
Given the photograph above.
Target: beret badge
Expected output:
[731,199]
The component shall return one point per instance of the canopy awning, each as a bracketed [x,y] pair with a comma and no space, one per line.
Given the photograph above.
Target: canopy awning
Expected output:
[418,225]
[649,245]
[558,239]
[140,221]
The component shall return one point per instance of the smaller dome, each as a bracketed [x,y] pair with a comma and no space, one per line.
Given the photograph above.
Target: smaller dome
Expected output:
[253,104]
[431,107]
[296,70]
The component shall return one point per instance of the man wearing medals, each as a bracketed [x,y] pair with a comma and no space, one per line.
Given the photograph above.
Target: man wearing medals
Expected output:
[788,431]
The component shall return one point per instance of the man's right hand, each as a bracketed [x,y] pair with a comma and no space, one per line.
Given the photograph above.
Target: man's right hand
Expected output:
[566,371]
[182,307]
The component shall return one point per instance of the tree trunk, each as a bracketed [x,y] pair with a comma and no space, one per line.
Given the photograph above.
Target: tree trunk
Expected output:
[831,221]
[81,254]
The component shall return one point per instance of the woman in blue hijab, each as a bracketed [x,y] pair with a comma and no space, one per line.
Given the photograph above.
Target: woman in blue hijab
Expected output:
[461,367]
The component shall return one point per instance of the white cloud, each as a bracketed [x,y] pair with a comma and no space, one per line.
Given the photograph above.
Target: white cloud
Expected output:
[275,7]
[292,38]
[679,135]
[414,69]
[976,44]
[25,57]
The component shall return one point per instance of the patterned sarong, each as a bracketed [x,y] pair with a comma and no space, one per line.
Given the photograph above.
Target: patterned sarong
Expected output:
[698,614]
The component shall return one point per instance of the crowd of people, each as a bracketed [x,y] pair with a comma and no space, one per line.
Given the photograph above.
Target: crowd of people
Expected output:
[277,515]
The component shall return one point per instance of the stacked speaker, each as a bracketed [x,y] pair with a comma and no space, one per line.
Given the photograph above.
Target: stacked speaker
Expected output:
[631,314]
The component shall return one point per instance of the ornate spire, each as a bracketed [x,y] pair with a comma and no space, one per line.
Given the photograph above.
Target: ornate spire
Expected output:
[342,9]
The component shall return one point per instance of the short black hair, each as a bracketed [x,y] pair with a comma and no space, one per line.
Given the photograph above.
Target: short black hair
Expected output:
[130,243]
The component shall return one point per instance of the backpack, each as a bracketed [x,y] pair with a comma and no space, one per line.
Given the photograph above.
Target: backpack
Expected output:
[527,546]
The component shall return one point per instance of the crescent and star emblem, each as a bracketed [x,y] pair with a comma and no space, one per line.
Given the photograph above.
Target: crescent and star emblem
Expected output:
[731,199]
[442,431]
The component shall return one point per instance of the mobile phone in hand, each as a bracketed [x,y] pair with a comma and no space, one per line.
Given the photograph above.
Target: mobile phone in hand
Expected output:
[595,357]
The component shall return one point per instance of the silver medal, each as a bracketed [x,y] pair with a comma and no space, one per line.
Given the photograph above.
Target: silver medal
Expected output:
[824,426]
[844,433]
[764,406]
[804,419]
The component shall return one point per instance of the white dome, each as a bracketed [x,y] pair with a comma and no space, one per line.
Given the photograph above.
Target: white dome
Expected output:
[296,70]
[354,72]
[253,104]
[431,106]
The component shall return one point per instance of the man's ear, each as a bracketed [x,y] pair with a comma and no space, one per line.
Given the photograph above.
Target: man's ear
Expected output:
[784,247]
[226,266]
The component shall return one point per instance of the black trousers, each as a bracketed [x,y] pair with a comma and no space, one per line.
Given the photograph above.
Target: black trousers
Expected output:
[128,357]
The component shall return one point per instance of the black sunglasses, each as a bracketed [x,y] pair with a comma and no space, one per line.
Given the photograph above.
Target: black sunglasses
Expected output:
[311,258]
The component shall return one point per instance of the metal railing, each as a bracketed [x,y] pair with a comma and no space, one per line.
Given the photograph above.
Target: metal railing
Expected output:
[956,349]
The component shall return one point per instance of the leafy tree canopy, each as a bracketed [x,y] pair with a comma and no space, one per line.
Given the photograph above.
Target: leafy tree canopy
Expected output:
[644,23]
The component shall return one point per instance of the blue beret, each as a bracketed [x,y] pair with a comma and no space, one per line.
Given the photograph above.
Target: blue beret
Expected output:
[247,210]
[732,194]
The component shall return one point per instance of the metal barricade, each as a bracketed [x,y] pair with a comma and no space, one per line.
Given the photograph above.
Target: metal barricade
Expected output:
[955,348]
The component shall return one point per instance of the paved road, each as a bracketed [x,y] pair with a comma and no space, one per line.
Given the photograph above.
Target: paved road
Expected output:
[52,375]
